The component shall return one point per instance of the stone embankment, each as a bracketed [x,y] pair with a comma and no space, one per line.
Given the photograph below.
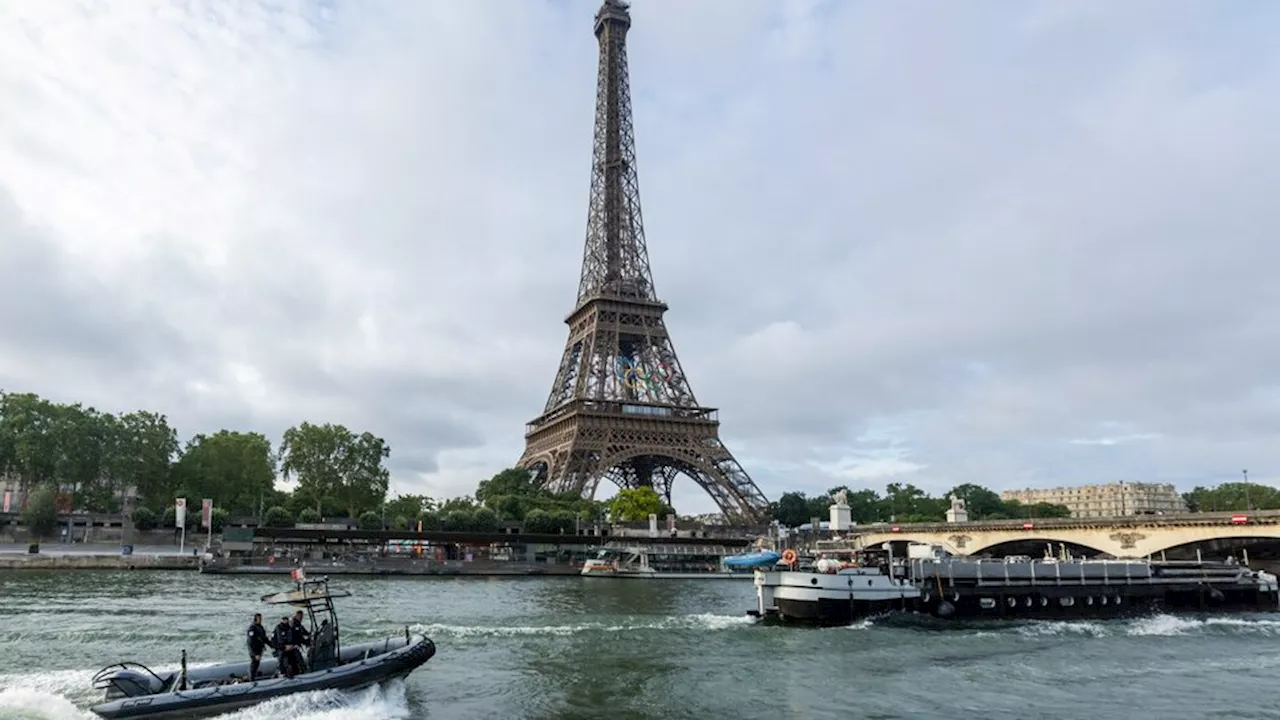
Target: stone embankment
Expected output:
[86,561]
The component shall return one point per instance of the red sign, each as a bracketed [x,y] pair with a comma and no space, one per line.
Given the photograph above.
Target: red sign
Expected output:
[895,528]
[1239,519]
[206,512]
[1028,525]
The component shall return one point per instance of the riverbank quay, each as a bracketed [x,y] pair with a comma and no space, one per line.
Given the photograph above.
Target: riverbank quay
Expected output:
[343,551]
[88,557]
[394,566]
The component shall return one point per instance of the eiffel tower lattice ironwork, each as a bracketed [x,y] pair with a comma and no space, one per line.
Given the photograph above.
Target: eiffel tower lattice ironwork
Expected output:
[621,408]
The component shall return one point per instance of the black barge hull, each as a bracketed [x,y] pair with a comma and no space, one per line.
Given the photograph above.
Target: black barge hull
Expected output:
[970,590]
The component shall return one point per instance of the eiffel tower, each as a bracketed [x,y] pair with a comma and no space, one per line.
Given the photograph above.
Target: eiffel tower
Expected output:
[621,407]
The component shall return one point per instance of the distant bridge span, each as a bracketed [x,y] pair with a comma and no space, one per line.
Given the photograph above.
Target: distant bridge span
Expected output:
[1129,536]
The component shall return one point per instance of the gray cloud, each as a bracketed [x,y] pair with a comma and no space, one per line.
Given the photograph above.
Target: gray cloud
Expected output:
[899,241]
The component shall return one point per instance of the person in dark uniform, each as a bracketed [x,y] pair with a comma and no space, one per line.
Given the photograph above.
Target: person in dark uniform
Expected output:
[299,637]
[284,647]
[258,641]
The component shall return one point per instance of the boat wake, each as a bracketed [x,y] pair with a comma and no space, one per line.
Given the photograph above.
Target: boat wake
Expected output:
[702,621]
[61,695]
[1161,625]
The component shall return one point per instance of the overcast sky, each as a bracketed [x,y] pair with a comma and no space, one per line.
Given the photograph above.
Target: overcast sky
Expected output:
[1015,244]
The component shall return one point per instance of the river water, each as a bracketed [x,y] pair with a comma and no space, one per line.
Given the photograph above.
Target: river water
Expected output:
[599,648]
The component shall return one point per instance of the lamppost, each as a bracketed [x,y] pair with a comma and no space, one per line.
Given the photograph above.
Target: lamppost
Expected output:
[1247,500]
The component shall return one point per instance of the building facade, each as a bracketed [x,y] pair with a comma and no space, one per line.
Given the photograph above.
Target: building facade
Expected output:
[1109,500]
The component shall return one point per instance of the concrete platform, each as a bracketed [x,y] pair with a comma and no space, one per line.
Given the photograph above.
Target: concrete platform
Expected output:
[95,561]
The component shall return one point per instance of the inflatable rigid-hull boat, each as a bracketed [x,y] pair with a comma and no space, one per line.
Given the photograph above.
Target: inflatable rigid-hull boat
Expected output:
[223,688]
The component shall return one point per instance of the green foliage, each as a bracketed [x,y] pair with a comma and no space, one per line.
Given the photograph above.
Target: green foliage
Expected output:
[401,523]
[236,469]
[277,517]
[430,522]
[143,518]
[457,520]
[218,518]
[484,520]
[410,507]
[370,520]
[636,504]
[91,454]
[512,481]
[542,521]
[906,503]
[41,514]
[332,461]
[1233,497]
[512,494]
[309,515]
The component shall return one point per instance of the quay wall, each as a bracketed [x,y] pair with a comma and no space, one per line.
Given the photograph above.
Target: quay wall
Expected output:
[85,561]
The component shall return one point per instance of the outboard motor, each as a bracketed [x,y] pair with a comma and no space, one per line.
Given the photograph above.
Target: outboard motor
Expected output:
[126,682]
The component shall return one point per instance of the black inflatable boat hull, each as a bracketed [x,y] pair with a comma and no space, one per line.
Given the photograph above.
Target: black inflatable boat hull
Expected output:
[363,665]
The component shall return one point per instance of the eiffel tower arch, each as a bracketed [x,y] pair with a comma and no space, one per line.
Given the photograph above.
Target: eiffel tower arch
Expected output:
[621,408]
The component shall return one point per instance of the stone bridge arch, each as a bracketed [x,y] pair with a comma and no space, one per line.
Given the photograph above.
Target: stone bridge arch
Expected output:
[1122,539]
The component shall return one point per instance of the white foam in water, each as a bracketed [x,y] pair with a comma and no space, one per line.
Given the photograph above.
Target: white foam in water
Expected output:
[66,695]
[20,703]
[702,621]
[375,703]
[1063,627]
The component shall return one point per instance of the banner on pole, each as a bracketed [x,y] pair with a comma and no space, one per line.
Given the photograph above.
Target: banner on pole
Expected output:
[6,501]
[180,513]
[206,512]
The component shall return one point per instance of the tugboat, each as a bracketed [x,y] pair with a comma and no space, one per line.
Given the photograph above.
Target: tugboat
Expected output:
[853,584]
[135,691]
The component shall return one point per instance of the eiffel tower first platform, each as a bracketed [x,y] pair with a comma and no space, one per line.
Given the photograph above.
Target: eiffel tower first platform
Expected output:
[621,407]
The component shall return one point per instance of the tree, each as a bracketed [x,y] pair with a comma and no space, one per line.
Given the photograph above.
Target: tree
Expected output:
[512,481]
[41,514]
[1050,510]
[235,469]
[411,507]
[277,517]
[143,518]
[484,520]
[142,453]
[791,509]
[636,504]
[370,521]
[979,502]
[538,521]
[457,520]
[330,461]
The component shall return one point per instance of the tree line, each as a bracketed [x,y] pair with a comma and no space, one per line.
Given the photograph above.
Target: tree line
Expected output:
[87,460]
[1232,497]
[906,503]
[69,457]
[73,457]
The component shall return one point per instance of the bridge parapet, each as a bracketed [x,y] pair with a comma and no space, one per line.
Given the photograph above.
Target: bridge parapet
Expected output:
[1259,517]
[1127,536]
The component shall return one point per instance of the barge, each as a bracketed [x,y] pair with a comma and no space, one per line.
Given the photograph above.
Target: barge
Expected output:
[840,590]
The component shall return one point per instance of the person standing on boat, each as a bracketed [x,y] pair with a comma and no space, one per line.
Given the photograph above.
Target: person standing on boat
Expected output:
[299,638]
[284,648]
[258,641]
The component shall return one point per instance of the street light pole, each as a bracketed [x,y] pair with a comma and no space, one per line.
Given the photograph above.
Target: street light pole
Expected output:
[1247,500]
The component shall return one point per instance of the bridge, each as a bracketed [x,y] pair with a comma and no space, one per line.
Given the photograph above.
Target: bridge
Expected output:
[1129,536]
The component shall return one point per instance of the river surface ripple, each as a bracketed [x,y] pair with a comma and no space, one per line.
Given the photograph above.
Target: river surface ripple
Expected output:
[599,648]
